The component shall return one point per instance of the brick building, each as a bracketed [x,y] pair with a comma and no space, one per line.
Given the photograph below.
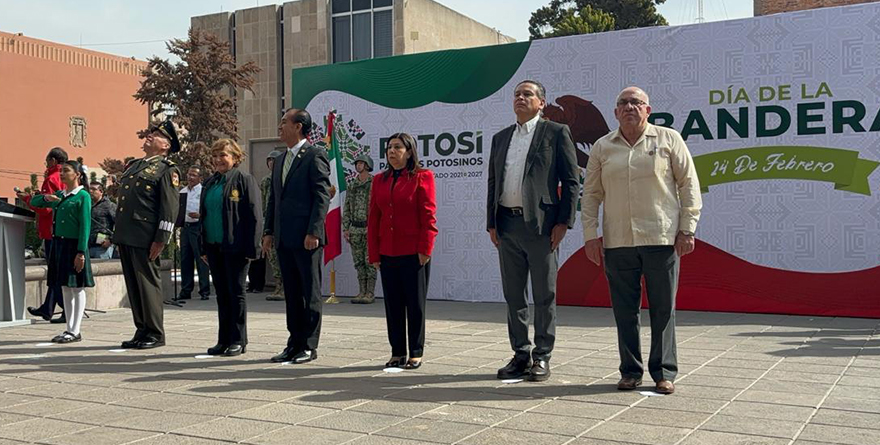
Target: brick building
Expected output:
[60,95]
[304,33]
[765,7]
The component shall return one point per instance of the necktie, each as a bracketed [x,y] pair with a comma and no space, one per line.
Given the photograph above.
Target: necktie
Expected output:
[288,161]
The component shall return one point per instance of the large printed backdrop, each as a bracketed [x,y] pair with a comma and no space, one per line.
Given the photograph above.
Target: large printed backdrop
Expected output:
[780,113]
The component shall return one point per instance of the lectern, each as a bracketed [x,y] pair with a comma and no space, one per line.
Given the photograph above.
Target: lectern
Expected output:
[12,234]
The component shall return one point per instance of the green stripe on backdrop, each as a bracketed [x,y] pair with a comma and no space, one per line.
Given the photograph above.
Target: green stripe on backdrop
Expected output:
[410,81]
[842,167]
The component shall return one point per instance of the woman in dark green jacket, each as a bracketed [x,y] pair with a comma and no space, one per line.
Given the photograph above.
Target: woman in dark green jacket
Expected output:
[69,265]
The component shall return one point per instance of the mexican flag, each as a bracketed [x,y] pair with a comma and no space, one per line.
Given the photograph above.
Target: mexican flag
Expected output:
[333,223]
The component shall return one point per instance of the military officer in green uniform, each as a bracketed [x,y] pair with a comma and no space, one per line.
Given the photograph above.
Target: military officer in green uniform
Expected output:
[265,186]
[147,209]
[354,227]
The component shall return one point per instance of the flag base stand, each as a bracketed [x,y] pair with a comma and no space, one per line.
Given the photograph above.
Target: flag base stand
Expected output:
[332,298]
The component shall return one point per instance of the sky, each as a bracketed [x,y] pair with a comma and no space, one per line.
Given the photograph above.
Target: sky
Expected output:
[139,29]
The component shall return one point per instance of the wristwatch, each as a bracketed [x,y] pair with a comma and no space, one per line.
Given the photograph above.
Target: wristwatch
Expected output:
[686,233]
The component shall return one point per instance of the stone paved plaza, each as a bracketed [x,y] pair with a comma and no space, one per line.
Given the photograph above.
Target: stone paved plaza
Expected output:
[745,379]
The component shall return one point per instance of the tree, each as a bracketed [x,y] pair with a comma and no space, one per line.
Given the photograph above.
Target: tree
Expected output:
[114,169]
[196,91]
[586,21]
[562,16]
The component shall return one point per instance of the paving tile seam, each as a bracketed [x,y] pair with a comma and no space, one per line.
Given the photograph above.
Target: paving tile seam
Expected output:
[728,402]
[828,392]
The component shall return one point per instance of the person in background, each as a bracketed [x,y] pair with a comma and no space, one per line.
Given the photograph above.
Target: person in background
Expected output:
[232,227]
[257,269]
[354,226]
[401,230]
[51,184]
[69,266]
[190,238]
[103,221]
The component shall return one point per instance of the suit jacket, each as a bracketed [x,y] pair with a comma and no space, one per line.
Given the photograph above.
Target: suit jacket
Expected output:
[550,180]
[299,206]
[242,213]
[402,220]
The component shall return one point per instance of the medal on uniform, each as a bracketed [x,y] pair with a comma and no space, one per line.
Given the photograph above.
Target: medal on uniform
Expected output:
[234,195]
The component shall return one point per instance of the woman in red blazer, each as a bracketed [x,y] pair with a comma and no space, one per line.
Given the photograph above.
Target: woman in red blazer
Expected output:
[401,228]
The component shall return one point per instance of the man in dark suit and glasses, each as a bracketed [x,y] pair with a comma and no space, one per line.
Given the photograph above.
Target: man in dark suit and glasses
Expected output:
[294,225]
[532,199]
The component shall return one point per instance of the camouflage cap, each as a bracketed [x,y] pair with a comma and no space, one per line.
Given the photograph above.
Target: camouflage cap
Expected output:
[366,159]
[274,154]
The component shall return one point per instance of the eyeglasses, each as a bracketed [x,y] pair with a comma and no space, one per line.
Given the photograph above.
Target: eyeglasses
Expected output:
[634,102]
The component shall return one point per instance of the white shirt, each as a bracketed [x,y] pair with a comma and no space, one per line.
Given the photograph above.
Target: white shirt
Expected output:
[295,149]
[515,164]
[193,198]
[649,190]
[72,192]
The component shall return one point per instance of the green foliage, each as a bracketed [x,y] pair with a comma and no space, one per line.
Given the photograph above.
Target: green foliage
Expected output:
[199,91]
[586,21]
[568,17]
[114,169]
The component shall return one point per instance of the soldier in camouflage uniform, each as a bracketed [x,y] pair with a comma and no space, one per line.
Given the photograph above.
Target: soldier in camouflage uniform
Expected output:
[354,227]
[265,185]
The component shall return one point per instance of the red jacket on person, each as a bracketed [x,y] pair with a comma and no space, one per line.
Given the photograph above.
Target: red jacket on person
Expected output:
[51,184]
[402,221]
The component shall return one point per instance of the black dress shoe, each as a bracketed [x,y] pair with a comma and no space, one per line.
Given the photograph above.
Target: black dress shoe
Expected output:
[181,297]
[305,356]
[540,371]
[61,319]
[286,355]
[234,350]
[218,349]
[131,344]
[36,313]
[514,369]
[150,343]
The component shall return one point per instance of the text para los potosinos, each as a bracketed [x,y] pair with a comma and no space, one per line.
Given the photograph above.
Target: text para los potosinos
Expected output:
[436,151]
[763,121]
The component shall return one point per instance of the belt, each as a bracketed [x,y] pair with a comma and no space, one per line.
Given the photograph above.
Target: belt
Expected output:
[359,224]
[515,211]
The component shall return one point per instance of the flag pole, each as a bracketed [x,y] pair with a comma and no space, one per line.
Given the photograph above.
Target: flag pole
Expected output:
[332,298]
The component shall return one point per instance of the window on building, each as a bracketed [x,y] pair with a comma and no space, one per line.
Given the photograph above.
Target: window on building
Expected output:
[362,29]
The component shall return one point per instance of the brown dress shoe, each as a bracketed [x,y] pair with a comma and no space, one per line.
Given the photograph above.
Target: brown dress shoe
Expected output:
[628,383]
[664,387]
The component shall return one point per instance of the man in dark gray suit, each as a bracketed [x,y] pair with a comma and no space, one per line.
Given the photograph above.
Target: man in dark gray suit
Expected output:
[533,191]
[294,225]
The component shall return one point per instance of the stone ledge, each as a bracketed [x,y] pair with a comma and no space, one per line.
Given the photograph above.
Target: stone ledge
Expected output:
[109,291]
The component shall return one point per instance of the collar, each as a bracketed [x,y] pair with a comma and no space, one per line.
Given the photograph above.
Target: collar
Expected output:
[74,191]
[529,126]
[650,131]
[151,158]
[53,169]
[189,189]
[296,147]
